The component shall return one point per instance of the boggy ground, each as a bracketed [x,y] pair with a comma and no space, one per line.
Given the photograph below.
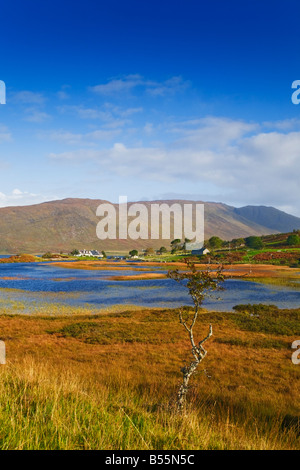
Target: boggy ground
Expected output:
[108,381]
[234,271]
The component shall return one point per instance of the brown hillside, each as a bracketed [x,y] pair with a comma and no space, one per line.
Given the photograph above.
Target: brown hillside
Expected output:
[71,223]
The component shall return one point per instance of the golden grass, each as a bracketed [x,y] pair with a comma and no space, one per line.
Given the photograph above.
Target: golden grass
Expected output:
[230,270]
[284,281]
[137,277]
[106,381]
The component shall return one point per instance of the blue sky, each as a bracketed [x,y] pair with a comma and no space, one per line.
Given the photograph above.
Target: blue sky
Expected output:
[150,100]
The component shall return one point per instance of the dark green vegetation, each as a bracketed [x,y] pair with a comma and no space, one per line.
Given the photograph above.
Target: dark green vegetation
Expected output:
[293,240]
[108,333]
[268,319]
[277,249]
[133,253]
[255,243]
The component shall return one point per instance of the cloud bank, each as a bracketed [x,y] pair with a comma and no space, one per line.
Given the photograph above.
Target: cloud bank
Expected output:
[241,159]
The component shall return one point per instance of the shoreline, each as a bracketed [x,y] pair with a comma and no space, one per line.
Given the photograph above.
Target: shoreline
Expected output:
[233,271]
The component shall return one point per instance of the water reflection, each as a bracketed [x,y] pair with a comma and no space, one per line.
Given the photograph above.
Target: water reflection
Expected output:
[43,282]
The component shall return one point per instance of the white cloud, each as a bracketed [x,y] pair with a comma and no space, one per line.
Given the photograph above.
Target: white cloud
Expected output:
[21,198]
[148,128]
[32,104]
[17,192]
[5,135]
[83,112]
[118,85]
[102,134]
[62,95]
[63,137]
[36,115]
[29,97]
[130,82]
[71,138]
[234,156]
[283,125]
[122,112]
[111,116]
[211,132]
[171,86]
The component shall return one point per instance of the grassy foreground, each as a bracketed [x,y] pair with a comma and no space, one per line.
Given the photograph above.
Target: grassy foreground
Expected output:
[107,381]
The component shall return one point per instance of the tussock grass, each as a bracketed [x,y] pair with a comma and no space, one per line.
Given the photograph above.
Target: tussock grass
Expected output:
[68,386]
[43,409]
[268,319]
[111,333]
[264,343]
[277,281]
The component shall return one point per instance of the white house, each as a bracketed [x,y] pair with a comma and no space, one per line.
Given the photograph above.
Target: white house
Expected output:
[94,253]
[203,251]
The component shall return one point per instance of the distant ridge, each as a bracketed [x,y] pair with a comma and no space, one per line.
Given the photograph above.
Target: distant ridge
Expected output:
[269,217]
[71,223]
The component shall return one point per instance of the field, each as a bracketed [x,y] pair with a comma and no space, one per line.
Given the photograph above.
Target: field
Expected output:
[108,381]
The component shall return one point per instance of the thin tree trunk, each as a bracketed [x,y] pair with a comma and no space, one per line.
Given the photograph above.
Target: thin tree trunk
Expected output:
[199,354]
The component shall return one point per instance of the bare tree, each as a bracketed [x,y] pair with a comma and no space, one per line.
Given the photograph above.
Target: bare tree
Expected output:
[199,284]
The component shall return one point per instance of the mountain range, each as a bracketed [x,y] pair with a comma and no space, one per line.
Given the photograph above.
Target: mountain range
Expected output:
[71,223]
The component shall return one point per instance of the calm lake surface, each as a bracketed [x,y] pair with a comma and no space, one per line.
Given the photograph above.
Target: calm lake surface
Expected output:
[42,283]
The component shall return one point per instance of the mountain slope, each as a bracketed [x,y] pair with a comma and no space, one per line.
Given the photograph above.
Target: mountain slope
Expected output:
[270,218]
[71,223]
